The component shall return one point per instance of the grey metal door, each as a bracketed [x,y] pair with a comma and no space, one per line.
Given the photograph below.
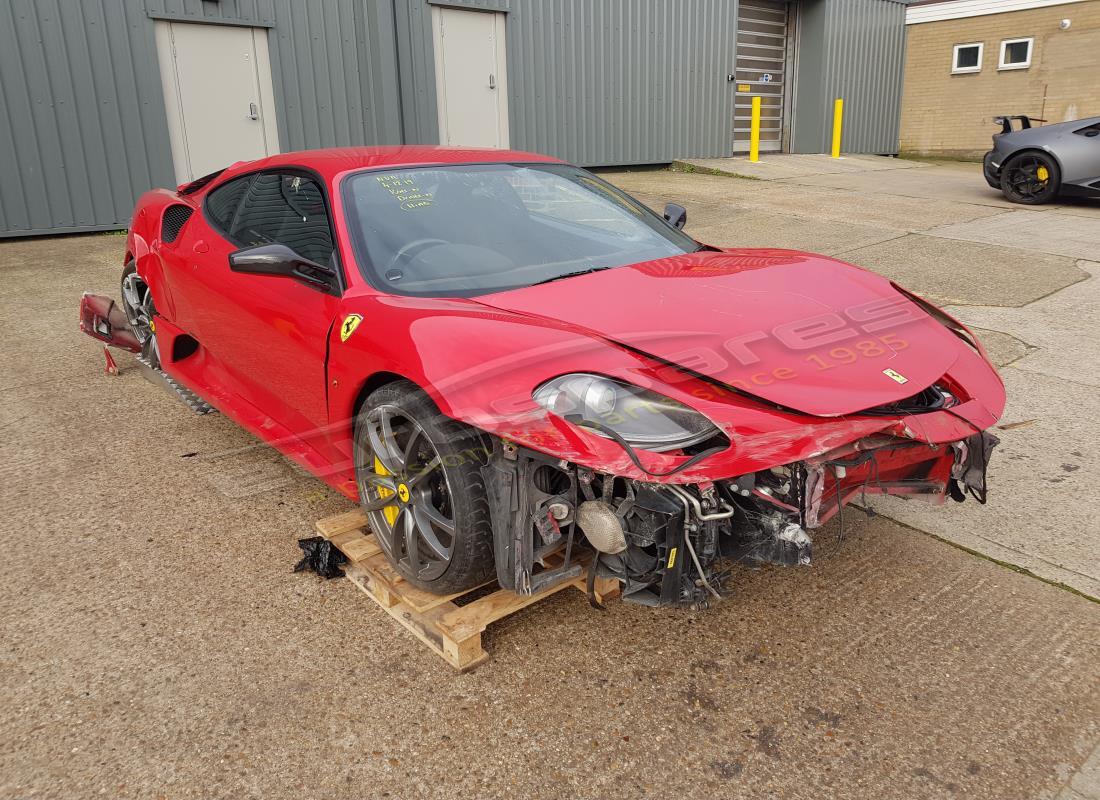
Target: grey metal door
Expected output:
[217,95]
[471,80]
[761,70]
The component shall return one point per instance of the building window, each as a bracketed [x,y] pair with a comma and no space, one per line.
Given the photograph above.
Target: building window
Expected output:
[967,58]
[1015,53]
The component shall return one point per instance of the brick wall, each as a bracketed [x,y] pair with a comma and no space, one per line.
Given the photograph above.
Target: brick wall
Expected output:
[946,114]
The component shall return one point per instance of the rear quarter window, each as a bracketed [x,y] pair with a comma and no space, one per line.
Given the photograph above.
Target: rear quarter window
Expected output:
[222,203]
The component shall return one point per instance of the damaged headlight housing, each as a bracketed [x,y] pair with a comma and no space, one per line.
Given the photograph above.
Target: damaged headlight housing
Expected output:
[642,418]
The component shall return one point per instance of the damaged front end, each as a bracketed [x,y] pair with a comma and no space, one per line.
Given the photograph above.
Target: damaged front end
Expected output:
[675,544]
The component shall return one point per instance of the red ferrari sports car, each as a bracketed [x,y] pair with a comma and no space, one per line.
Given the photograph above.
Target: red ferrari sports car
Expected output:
[502,357]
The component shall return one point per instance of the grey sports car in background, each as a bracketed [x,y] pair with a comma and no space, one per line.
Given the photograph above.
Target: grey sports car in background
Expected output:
[1034,165]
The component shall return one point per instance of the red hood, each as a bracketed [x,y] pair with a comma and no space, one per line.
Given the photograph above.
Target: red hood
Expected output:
[803,331]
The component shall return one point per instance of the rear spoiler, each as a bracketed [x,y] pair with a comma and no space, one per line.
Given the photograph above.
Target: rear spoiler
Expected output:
[1005,122]
[198,183]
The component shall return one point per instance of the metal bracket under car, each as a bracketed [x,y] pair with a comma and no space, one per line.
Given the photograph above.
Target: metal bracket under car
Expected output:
[175,388]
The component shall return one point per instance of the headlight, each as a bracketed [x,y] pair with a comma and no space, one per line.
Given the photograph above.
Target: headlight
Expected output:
[642,418]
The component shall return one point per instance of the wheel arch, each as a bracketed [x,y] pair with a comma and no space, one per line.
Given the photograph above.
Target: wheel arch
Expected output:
[377,380]
[1036,148]
[372,382]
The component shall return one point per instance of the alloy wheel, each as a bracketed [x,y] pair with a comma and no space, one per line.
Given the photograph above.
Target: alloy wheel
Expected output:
[408,495]
[1028,177]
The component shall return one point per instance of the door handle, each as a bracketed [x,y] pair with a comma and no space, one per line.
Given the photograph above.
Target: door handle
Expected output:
[492,81]
[253,112]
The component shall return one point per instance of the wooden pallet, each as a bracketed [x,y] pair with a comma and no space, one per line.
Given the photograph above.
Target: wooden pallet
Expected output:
[451,630]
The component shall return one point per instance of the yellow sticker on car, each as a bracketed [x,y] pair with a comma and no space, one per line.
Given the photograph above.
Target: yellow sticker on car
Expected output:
[671,558]
[351,322]
[897,376]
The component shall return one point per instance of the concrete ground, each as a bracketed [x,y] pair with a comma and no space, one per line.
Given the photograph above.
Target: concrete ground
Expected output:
[154,643]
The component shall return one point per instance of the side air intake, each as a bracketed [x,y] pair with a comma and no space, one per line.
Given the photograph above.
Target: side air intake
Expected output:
[175,217]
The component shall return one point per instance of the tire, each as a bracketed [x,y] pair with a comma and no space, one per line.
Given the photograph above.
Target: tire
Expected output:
[421,486]
[1023,181]
[140,311]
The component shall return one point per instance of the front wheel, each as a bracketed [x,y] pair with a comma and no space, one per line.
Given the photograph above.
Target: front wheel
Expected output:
[1030,178]
[420,483]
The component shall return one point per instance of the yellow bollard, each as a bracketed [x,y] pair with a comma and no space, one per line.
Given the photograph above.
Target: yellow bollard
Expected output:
[838,119]
[754,130]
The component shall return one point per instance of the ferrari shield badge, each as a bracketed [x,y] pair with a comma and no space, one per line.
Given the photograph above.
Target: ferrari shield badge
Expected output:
[889,373]
[347,328]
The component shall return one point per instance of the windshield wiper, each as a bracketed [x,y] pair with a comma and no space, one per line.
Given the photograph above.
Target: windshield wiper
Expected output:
[570,275]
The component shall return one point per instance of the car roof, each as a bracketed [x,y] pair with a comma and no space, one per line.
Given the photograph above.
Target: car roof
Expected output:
[330,162]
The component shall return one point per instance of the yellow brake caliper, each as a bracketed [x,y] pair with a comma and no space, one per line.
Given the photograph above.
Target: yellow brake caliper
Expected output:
[390,512]
[1042,173]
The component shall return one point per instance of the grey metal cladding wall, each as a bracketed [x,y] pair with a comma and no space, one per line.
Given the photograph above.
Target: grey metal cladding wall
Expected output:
[416,71]
[335,74]
[853,49]
[865,66]
[231,11]
[477,5]
[236,12]
[83,129]
[82,123]
[333,65]
[809,116]
[621,81]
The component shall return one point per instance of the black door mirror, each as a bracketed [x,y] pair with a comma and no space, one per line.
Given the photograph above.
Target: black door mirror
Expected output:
[278,259]
[676,216]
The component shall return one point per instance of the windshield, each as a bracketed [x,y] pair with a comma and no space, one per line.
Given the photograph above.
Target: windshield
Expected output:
[474,229]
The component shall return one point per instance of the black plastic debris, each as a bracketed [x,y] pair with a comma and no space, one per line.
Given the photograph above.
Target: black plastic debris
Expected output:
[321,557]
[969,476]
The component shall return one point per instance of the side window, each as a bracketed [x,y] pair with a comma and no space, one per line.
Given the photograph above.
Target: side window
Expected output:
[1016,53]
[967,58]
[222,203]
[288,209]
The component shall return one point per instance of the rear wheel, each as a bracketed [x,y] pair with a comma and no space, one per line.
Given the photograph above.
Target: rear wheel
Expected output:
[1030,178]
[420,483]
[137,302]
